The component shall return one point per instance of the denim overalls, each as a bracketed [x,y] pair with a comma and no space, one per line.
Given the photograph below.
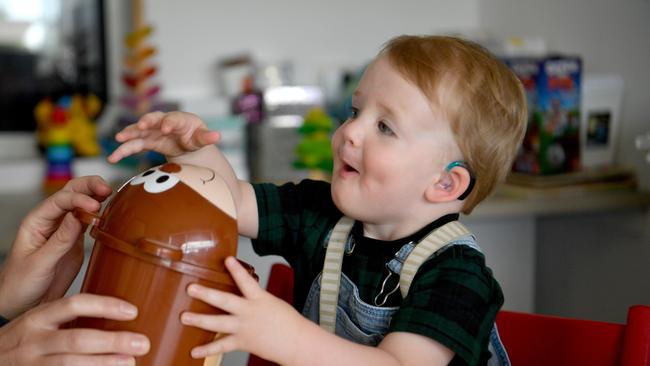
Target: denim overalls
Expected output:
[334,302]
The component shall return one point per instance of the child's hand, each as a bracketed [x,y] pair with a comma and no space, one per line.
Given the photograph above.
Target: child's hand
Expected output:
[258,322]
[171,134]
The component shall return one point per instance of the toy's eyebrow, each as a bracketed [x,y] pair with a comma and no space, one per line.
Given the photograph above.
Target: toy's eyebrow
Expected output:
[170,168]
[209,179]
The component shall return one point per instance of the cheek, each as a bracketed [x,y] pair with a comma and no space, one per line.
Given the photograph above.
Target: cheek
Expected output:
[395,169]
[336,141]
[381,166]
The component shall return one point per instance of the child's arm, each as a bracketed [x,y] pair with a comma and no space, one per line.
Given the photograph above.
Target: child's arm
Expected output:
[184,138]
[264,325]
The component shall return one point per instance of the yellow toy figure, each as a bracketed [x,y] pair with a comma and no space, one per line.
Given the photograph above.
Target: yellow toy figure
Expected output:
[64,129]
[82,127]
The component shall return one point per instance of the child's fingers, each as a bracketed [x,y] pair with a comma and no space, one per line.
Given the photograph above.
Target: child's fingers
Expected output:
[245,282]
[150,120]
[129,132]
[222,345]
[204,137]
[181,124]
[176,126]
[214,323]
[225,301]
[128,148]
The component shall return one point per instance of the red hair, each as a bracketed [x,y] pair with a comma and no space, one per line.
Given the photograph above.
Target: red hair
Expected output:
[478,94]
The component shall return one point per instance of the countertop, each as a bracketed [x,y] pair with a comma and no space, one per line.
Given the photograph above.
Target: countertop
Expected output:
[14,205]
[21,180]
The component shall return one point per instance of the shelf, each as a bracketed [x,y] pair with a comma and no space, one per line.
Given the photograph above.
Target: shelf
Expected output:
[503,207]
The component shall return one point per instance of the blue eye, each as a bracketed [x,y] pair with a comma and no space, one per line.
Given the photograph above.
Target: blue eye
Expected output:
[354,112]
[384,129]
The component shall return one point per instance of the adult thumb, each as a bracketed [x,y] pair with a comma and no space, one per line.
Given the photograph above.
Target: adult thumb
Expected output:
[59,243]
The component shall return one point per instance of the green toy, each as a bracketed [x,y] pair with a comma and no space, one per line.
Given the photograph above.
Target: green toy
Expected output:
[314,151]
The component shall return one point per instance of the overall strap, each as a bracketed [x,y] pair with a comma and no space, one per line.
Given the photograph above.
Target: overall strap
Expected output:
[425,248]
[331,277]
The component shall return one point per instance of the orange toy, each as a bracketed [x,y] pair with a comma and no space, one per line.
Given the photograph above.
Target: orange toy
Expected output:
[166,228]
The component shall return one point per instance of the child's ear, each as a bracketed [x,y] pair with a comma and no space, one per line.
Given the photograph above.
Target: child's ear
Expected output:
[451,185]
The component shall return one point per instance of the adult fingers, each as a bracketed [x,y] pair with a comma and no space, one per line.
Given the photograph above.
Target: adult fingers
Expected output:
[42,221]
[64,271]
[58,244]
[70,360]
[65,235]
[86,360]
[91,341]
[77,194]
[214,323]
[92,185]
[246,283]
[225,301]
[87,305]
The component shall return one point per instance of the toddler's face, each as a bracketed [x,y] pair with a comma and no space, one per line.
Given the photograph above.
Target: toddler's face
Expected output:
[391,148]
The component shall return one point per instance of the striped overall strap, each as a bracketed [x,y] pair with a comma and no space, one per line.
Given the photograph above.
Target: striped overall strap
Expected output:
[425,248]
[331,277]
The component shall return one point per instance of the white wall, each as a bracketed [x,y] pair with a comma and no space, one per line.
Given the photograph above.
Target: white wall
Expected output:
[315,34]
[613,37]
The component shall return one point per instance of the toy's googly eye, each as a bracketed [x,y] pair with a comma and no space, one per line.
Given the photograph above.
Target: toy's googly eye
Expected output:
[160,183]
[143,177]
[155,181]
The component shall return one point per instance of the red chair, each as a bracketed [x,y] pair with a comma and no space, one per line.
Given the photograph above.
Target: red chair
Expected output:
[533,339]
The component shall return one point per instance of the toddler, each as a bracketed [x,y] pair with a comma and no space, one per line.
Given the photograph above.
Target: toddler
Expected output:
[380,259]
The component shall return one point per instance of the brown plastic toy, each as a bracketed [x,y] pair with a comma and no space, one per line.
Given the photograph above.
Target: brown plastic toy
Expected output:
[165,228]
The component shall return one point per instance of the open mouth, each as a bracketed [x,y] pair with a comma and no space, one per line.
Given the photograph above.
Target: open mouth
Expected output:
[349,169]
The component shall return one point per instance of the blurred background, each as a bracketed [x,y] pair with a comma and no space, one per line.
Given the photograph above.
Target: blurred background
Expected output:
[569,232]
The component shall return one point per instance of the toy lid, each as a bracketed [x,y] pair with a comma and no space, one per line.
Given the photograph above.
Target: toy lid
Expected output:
[175,212]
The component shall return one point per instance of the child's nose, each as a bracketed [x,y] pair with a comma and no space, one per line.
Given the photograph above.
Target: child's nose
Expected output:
[352,132]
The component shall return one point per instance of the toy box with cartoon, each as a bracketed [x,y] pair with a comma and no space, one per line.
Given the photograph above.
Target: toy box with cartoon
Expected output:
[552,141]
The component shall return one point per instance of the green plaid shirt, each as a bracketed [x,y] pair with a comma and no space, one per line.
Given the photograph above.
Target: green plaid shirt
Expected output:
[453,298]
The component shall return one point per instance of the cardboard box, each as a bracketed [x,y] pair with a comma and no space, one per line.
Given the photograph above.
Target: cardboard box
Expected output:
[552,141]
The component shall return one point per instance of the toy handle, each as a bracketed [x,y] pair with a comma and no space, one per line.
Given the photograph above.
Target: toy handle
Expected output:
[87,218]
[159,249]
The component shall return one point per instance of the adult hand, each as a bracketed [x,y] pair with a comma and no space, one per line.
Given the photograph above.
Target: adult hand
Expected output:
[36,337]
[48,250]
